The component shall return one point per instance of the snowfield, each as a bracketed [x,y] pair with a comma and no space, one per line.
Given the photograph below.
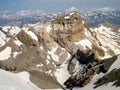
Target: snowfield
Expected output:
[115,65]
[18,81]
[5,54]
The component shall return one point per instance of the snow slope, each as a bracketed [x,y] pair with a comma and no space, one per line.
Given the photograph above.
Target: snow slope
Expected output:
[18,81]
[103,87]
[5,54]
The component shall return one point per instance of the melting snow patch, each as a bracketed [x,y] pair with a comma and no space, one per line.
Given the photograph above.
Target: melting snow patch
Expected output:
[2,42]
[15,30]
[71,13]
[2,35]
[15,54]
[68,56]
[62,74]
[5,54]
[2,38]
[12,30]
[18,42]
[119,30]
[84,43]
[6,28]
[48,72]
[48,28]
[39,65]
[48,57]
[41,47]
[83,22]
[32,34]
[104,30]
[66,17]
[53,55]
[47,61]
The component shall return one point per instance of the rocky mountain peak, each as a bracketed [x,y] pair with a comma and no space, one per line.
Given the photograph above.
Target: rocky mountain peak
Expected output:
[62,51]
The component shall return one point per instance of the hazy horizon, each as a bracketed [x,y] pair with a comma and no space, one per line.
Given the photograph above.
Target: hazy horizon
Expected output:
[54,5]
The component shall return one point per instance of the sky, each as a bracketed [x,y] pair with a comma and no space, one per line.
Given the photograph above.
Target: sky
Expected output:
[55,5]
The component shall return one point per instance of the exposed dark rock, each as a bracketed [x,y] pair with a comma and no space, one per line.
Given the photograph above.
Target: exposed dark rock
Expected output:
[107,63]
[84,76]
[26,39]
[71,64]
[113,76]
[43,80]
[85,57]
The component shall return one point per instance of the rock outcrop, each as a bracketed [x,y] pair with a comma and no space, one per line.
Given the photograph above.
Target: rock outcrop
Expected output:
[84,75]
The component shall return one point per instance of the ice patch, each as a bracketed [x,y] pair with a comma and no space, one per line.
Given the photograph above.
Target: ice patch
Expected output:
[53,55]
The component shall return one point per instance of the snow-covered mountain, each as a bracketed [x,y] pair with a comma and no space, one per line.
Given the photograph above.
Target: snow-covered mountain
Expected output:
[64,53]
[90,15]
[24,17]
[101,15]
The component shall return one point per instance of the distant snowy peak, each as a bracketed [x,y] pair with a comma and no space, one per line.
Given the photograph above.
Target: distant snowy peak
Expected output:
[71,9]
[106,9]
[24,17]
[93,16]
[97,16]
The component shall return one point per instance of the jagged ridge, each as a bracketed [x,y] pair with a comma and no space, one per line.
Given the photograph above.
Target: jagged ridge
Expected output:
[56,50]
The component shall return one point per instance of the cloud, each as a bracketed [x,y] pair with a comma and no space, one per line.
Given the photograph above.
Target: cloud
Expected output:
[71,9]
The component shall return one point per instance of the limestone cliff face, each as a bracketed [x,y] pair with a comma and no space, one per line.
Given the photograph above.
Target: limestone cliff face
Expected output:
[69,26]
[26,39]
[62,51]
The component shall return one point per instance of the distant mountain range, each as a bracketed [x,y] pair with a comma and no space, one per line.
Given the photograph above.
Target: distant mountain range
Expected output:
[24,16]
[101,15]
[92,16]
